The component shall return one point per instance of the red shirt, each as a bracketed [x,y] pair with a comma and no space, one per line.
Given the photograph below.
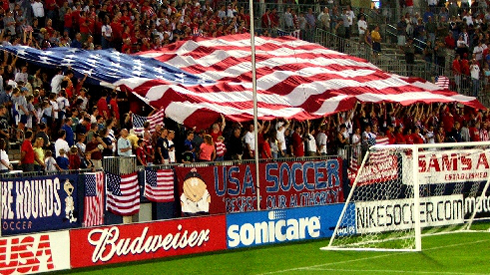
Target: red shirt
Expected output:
[74,160]
[391,137]
[409,139]
[83,25]
[29,157]
[68,20]
[448,122]
[474,134]
[456,67]
[140,152]
[450,42]
[266,151]
[417,139]
[50,5]
[465,67]
[400,139]
[117,29]
[298,145]
[114,108]
[103,107]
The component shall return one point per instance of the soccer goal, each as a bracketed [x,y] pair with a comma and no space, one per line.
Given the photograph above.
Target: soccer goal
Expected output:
[402,192]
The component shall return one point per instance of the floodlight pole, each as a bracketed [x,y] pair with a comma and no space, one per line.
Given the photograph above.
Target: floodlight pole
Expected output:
[255,111]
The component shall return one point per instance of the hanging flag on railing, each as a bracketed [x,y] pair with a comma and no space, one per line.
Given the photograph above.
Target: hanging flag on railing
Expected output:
[94,199]
[123,194]
[159,185]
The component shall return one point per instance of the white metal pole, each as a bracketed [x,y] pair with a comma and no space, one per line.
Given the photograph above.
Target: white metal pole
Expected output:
[254,89]
[416,198]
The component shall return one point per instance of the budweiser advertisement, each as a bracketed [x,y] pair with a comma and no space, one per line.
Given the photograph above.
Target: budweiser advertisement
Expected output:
[33,253]
[135,242]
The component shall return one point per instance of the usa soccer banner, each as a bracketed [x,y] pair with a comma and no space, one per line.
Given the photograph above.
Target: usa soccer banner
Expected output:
[39,204]
[233,188]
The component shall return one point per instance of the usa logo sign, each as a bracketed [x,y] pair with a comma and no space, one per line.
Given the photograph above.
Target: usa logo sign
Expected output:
[35,253]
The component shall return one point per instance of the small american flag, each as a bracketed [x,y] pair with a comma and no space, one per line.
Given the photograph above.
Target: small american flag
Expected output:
[154,119]
[442,82]
[159,185]
[94,199]
[123,194]
[295,33]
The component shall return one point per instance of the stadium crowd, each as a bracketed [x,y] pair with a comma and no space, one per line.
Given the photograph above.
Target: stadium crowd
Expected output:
[62,127]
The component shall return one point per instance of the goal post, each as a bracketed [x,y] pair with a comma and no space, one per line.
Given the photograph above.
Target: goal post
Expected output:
[402,192]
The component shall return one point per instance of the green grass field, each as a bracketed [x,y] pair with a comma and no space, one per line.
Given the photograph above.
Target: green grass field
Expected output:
[456,253]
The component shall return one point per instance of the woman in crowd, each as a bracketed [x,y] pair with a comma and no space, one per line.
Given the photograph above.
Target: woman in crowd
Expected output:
[207,149]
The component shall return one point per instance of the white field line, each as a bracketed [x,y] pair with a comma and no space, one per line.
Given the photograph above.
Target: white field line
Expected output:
[377,271]
[373,257]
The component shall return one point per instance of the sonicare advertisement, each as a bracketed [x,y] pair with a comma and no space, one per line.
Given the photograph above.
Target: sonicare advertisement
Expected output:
[279,226]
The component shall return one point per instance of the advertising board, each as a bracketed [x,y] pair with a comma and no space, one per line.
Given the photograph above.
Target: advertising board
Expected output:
[233,188]
[33,253]
[387,215]
[41,203]
[450,166]
[278,226]
[136,242]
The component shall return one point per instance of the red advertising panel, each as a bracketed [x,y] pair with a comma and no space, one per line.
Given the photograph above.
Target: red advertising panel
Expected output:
[233,188]
[136,242]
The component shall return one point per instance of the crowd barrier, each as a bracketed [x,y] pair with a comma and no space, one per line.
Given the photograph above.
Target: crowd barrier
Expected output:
[226,225]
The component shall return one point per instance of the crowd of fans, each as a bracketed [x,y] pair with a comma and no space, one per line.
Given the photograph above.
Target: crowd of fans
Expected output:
[60,126]
[128,26]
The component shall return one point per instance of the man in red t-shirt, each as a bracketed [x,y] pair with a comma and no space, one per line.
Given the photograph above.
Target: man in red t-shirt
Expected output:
[114,106]
[27,153]
[298,144]
[103,107]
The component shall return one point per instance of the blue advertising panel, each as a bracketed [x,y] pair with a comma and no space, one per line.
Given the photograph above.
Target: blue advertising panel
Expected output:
[39,204]
[278,226]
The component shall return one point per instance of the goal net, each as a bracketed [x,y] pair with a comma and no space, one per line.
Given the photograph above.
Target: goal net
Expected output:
[404,191]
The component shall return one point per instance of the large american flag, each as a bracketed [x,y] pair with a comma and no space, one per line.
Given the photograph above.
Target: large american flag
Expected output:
[123,194]
[94,199]
[159,185]
[154,119]
[195,81]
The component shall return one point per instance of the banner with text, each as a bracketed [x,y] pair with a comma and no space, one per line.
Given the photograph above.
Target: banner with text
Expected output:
[479,204]
[39,204]
[278,226]
[136,242]
[449,166]
[232,188]
[27,254]
[389,215]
